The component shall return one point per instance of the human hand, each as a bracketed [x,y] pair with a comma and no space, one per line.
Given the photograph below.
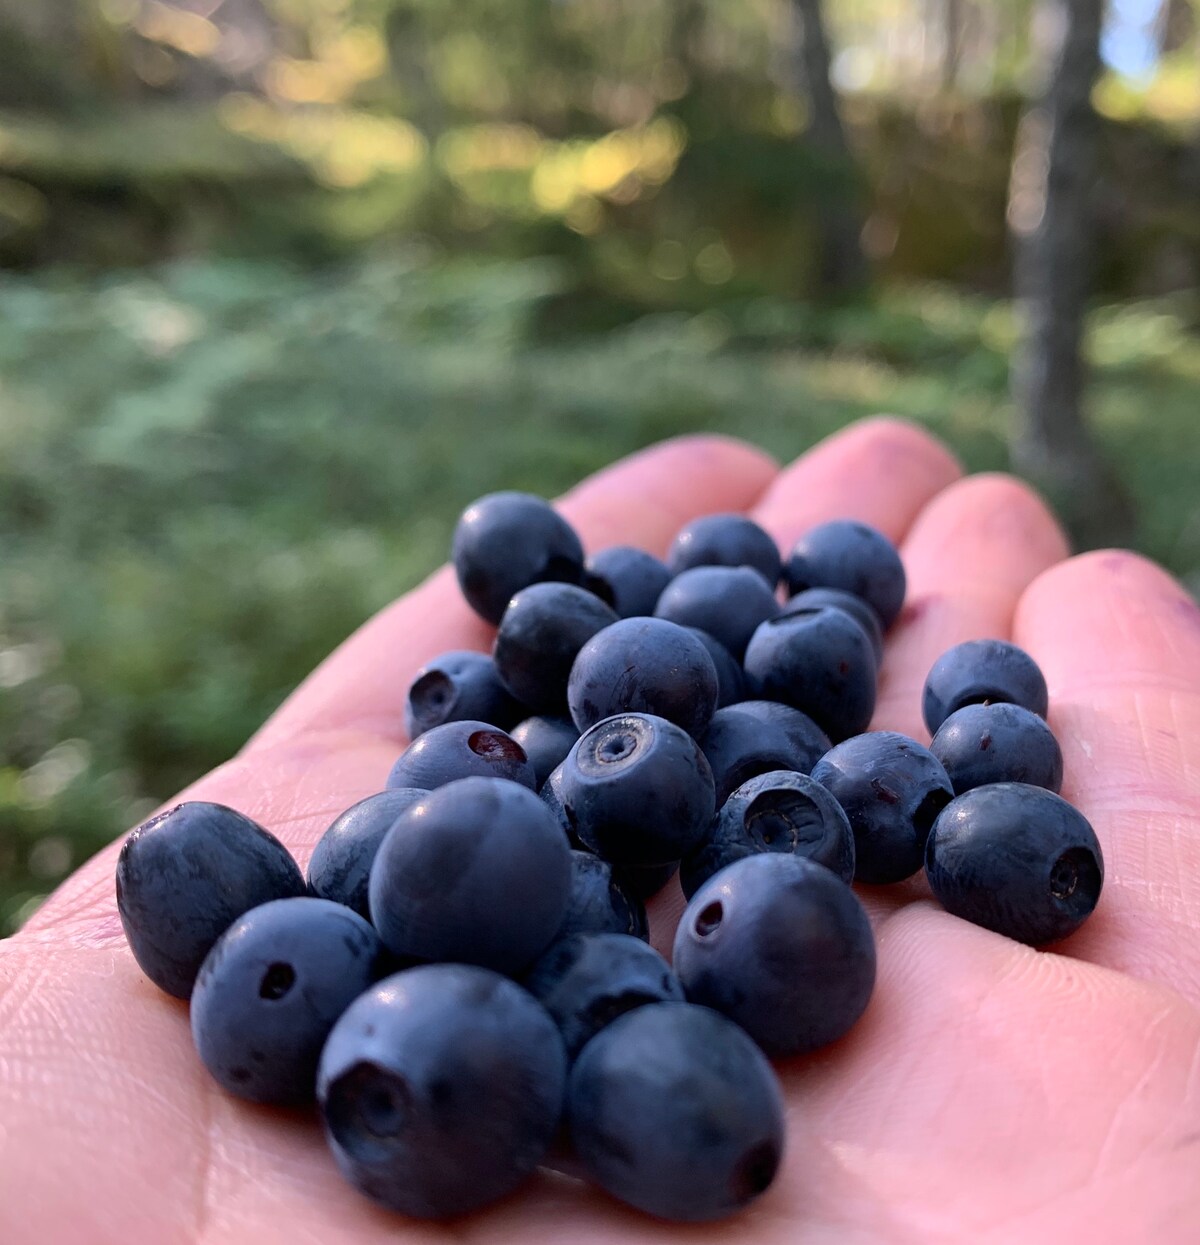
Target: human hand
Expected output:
[991,1093]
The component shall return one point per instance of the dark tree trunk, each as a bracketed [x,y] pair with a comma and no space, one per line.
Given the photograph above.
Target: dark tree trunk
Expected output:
[684,30]
[1053,179]
[952,22]
[842,266]
[1174,26]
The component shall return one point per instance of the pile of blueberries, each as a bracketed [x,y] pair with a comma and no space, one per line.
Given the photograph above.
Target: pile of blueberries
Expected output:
[464,981]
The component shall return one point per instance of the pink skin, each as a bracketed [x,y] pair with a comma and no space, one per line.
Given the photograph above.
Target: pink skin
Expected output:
[990,1094]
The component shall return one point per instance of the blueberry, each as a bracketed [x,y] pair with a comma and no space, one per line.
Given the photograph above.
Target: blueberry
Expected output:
[461,750]
[441,1089]
[853,557]
[546,742]
[731,682]
[271,989]
[632,579]
[725,540]
[775,812]
[983,744]
[782,946]
[645,882]
[818,661]
[806,737]
[455,687]
[891,789]
[185,876]
[478,872]
[738,745]
[728,602]
[674,1110]
[638,790]
[540,634]
[601,901]
[585,982]
[1015,859]
[856,607]
[506,541]
[551,797]
[639,884]
[643,665]
[340,866]
[982,672]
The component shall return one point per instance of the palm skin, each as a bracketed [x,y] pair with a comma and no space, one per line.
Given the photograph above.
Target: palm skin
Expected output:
[990,1094]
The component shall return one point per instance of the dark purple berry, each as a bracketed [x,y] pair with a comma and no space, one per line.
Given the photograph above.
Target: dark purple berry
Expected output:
[674,1110]
[441,1089]
[506,541]
[1015,859]
[585,982]
[983,744]
[726,601]
[739,744]
[340,866]
[891,790]
[775,812]
[854,557]
[982,672]
[644,665]
[856,607]
[461,750]
[637,790]
[271,989]
[818,661]
[782,946]
[477,872]
[185,876]
[546,741]
[725,540]
[630,580]
[456,687]
[601,901]
[540,635]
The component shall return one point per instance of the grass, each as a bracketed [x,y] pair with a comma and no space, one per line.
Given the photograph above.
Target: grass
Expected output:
[211,473]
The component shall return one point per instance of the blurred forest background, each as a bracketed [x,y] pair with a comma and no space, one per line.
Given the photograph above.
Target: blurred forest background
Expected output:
[285,283]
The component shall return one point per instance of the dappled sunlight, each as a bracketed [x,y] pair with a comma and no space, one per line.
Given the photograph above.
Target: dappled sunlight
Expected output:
[341,63]
[344,148]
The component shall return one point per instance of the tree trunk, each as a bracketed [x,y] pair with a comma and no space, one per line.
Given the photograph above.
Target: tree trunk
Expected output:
[685,26]
[1174,26]
[1053,177]
[952,15]
[842,267]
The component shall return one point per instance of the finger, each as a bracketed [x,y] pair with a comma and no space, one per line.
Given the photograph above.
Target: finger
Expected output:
[1119,641]
[976,1052]
[880,471]
[969,556]
[643,500]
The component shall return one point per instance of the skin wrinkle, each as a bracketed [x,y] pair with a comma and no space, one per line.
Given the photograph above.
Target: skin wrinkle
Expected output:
[1147,1040]
[204,1165]
[1097,1177]
[867,1160]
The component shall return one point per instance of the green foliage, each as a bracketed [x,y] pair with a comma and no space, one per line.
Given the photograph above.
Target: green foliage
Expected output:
[210,474]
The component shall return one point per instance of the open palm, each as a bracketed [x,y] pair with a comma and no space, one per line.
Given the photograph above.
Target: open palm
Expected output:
[990,1094]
